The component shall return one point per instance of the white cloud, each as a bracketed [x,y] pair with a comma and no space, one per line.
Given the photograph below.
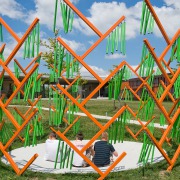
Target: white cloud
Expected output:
[10,45]
[173,3]
[44,10]
[102,17]
[76,46]
[169,16]
[11,8]
[156,70]
[101,72]
[91,42]
[74,1]
[114,56]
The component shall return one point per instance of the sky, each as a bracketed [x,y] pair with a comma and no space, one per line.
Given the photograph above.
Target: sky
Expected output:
[19,14]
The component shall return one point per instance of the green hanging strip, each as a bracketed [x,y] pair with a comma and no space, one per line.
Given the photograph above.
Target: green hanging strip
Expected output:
[71,20]
[117,38]
[162,120]
[112,42]
[34,84]
[70,113]
[177,88]
[147,20]
[175,134]
[76,127]
[110,90]
[63,10]
[147,148]
[25,50]
[72,69]
[27,141]
[63,106]
[68,59]
[124,38]
[62,154]
[150,25]
[142,16]
[55,60]
[60,60]
[1,33]
[38,38]
[178,50]
[29,46]
[71,159]
[35,126]
[51,75]
[57,154]
[68,157]
[173,51]
[108,44]
[32,40]
[55,15]
[27,89]
[67,17]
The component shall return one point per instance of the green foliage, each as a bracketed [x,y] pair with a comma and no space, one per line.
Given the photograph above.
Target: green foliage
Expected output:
[50,45]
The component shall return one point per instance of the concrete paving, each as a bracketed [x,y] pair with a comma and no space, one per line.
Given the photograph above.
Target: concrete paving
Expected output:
[130,161]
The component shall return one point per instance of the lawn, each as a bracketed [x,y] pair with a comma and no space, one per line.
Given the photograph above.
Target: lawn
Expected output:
[100,107]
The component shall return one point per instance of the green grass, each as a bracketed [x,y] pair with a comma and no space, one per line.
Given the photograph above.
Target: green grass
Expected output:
[100,107]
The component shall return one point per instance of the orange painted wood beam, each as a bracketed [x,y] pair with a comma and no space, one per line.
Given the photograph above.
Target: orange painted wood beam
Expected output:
[2,124]
[9,115]
[79,105]
[80,152]
[157,60]
[20,129]
[131,133]
[161,28]
[71,125]
[143,125]
[110,168]
[175,157]
[169,46]
[174,105]
[20,86]
[168,87]
[160,106]
[33,158]
[83,17]
[79,59]
[103,37]
[158,145]
[103,83]
[104,128]
[21,41]
[9,158]
[169,94]
[168,129]
[9,30]
[19,65]
[33,61]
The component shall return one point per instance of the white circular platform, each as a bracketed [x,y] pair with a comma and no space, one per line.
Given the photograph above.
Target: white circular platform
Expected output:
[130,161]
